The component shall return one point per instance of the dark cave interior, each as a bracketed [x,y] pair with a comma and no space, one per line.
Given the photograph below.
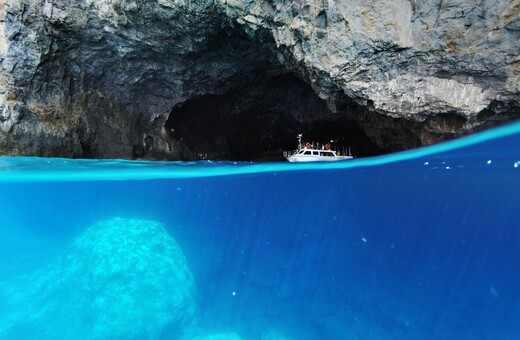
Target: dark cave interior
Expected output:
[259,121]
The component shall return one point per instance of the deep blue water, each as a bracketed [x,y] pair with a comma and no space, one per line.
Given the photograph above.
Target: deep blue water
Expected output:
[418,245]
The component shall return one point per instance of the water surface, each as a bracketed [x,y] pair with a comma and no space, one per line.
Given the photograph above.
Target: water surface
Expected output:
[420,244]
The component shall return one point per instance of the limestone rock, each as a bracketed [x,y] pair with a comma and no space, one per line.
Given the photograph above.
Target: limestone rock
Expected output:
[406,60]
[121,279]
[100,78]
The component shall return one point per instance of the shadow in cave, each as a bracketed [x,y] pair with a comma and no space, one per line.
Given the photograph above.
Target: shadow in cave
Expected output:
[259,121]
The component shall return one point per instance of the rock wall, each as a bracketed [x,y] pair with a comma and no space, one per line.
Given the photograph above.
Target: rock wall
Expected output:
[100,78]
[416,61]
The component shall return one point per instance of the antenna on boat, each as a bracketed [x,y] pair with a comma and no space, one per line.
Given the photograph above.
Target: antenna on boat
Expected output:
[300,135]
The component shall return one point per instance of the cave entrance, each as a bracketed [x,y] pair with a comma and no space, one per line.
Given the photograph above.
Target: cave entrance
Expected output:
[259,121]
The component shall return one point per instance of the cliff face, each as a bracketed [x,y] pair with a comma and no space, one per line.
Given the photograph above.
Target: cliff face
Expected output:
[113,78]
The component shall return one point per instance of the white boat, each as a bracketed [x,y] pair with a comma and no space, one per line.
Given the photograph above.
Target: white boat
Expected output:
[306,153]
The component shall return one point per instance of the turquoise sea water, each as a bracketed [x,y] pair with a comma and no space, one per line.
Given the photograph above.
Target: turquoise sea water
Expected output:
[423,244]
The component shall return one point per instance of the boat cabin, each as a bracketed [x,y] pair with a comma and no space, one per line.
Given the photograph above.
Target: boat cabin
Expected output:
[323,153]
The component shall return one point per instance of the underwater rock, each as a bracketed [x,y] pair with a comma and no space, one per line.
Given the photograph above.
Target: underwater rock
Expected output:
[218,336]
[122,278]
[269,335]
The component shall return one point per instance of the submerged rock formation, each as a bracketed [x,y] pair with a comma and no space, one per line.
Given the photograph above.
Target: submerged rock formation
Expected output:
[112,78]
[218,336]
[123,279]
